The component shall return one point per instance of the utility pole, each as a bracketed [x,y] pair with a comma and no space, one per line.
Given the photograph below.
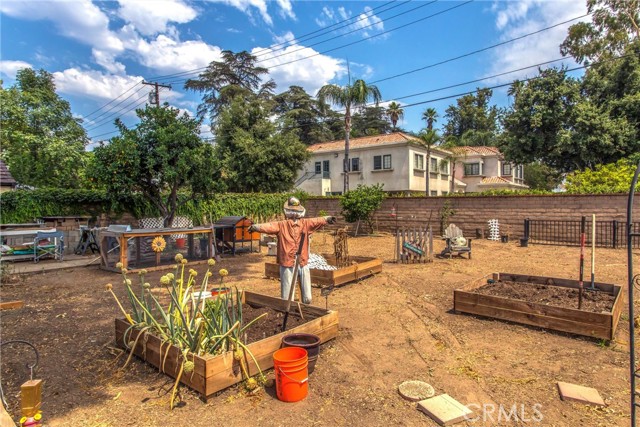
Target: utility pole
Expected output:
[157,91]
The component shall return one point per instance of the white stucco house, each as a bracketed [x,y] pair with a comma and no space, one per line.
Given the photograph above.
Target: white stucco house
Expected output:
[398,161]
[484,168]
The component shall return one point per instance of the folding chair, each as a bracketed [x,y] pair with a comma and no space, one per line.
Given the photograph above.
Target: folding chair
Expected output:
[55,246]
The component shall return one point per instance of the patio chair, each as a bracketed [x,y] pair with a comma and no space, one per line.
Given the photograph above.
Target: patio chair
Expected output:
[48,244]
[455,243]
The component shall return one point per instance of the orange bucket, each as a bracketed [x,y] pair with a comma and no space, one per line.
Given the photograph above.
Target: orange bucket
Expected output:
[292,377]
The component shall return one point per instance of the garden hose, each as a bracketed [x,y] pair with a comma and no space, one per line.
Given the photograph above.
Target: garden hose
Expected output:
[30,367]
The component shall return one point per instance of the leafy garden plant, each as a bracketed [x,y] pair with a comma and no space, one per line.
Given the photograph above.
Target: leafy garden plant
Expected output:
[195,325]
[360,204]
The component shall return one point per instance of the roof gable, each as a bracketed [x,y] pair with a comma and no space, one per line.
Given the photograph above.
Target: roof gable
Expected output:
[365,141]
[482,150]
[6,179]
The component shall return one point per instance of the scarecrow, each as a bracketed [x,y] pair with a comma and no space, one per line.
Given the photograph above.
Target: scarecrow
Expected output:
[289,232]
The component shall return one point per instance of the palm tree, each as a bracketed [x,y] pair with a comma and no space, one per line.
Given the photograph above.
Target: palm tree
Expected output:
[452,145]
[350,96]
[394,112]
[428,138]
[430,115]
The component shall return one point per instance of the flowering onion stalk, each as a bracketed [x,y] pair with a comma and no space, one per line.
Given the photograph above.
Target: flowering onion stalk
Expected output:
[196,328]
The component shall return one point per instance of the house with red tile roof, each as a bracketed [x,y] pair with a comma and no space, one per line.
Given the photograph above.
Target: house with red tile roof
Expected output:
[7,182]
[484,168]
[396,160]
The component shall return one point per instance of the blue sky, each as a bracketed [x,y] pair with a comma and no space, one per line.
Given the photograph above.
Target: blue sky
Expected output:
[99,52]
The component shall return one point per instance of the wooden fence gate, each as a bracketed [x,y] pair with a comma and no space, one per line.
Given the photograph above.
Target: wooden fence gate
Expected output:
[414,245]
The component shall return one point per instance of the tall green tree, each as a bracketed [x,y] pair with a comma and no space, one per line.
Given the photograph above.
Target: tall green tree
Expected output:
[43,145]
[349,97]
[552,121]
[394,112]
[299,111]
[610,178]
[236,74]
[473,113]
[430,116]
[157,158]
[428,138]
[539,176]
[614,25]
[368,121]
[255,155]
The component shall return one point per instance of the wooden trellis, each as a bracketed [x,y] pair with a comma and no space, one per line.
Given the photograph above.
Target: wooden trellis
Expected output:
[414,245]
[341,247]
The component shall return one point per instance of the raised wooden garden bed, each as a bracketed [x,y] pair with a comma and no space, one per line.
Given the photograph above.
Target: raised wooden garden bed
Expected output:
[361,267]
[214,373]
[592,322]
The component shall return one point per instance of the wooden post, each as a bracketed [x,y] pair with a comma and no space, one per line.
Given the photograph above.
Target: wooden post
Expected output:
[31,392]
[496,277]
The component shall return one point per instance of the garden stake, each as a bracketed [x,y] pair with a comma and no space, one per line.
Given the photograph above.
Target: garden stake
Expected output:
[583,238]
[296,266]
[593,253]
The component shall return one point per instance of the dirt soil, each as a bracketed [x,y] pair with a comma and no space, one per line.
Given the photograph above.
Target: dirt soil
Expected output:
[594,301]
[395,326]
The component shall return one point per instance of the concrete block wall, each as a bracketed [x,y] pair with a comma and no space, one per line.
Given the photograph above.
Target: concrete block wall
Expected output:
[473,212]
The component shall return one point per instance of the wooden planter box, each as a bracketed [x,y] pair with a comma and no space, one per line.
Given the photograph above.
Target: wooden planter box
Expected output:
[596,325]
[363,267]
[214,373]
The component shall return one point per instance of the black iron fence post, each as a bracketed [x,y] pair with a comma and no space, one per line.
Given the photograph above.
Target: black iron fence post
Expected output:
[614,237]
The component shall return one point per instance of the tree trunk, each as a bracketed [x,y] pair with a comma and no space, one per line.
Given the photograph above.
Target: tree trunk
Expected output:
[428,176]
[347,128]
[453,179]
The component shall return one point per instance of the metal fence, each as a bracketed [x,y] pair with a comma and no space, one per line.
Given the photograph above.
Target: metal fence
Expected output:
[609,234]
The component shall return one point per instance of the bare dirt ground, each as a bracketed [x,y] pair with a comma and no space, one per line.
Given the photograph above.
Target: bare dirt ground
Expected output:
[394,327]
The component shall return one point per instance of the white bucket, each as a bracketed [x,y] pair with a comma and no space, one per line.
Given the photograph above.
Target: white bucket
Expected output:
[202,295]
[271,248]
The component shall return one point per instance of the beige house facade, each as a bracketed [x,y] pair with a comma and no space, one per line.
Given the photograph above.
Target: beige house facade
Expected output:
[399,162]
[484,168]
[396,160]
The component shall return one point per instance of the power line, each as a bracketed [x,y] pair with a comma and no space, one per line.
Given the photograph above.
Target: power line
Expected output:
[110,109]
[477,51]
[359,41]
[271,49]
[117,113]
[108,103]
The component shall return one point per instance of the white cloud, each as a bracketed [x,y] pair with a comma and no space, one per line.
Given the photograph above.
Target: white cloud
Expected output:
[10,68]
[286,9]
[367,21]
[311,73]
[95,84]
[516,19]
[151,17]
[247,7]
[80,20]
[108,61]
[167,55]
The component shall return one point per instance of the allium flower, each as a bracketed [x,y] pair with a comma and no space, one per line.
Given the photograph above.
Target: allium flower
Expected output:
[165,280]
[119,265]
[147,285]
[178,257]
[211,262]
[193,272]
[126,282]
[108,286]
[223,272]
[183,261]
[170,276]
[188,366]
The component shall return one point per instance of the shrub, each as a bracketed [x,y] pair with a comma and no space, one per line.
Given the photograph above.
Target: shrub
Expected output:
[361,203]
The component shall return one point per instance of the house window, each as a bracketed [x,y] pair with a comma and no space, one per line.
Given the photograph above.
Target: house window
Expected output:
[418,161]
[434,193]
[433,166]
[471,169]
[506,169]
[325,169]
[355,164]
[444,167]
[318,168]
[444,193]
[386,161]
[519,171]
[382,162]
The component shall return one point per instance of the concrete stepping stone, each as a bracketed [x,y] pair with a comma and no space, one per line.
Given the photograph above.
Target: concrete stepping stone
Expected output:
[415,391]
[578,393]
[445,410]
